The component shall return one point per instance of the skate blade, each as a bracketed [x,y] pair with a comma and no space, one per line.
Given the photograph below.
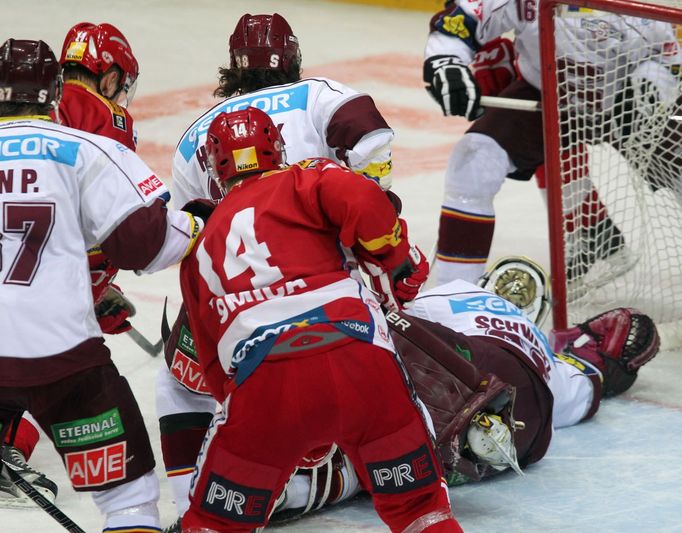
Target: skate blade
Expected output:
[19,500]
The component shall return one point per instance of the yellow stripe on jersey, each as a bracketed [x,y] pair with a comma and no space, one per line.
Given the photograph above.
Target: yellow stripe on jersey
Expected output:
[132,529]
[115,108]
[390,239]
[463,215]
[172,472]
[195,225]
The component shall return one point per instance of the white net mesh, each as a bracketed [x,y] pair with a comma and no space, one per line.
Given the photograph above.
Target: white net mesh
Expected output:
[620,97]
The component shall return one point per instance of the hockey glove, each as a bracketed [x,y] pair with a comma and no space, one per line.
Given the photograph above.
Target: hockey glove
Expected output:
[113,312]
[453,86]
[411,276]
[493,66]
[394,288]
[102,273]
[617,342]
[201,208]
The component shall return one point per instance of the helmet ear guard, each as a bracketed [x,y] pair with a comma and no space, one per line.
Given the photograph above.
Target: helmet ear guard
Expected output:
[523,282]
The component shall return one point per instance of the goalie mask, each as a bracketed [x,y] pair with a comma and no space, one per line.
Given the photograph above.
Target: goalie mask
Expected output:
[98,47]
[242,143]
[264,41]
[29,73]
[523,282]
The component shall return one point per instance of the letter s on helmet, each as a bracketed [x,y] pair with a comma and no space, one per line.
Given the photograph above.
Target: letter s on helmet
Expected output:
[263,41]
[29,73]
[241,143]
[98,47]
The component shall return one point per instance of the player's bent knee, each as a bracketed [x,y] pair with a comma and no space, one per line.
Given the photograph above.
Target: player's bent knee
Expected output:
[232,491]
[476,169]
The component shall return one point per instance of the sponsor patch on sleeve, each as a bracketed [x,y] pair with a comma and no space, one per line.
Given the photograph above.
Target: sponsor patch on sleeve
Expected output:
[148,186]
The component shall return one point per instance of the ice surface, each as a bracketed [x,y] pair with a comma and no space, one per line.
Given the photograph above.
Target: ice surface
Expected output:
[620,472]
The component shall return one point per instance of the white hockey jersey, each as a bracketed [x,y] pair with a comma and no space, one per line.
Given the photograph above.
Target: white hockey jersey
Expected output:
[473,311]
[464,25]
[63,191]
[317,117]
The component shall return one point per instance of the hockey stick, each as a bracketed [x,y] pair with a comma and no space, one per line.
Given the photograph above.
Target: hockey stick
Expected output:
[144,343]
[42,502]
[510,103]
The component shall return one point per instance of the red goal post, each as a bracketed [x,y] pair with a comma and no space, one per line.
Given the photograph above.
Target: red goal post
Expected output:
[613,160]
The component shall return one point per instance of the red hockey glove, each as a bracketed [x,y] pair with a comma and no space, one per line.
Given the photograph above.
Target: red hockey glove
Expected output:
[102,273]
[411,276]
[493,66]
[393,289]
[113,311]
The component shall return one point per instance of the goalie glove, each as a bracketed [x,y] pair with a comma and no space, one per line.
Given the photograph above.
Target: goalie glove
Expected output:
[617,342]
[453,86]
[113,311]
[399,286]
[493,66]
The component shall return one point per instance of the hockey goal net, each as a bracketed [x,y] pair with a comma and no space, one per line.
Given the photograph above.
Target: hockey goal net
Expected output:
[612,95]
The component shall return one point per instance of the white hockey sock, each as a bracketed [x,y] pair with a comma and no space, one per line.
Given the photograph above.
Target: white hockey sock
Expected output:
[447,271]
[180,489]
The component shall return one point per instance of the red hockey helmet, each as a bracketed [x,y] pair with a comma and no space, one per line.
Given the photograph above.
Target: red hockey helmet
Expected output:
[243,142]
[98,47]
[29,73]
[263,41]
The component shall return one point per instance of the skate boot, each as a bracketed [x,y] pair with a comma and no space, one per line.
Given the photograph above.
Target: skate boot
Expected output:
[175,527]
[10,494]
[603,241]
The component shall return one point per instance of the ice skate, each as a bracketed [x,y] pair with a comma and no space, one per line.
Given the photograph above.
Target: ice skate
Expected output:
[10,494]
[602,243]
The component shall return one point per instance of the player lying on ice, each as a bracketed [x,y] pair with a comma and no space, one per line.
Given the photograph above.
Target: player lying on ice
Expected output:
[491,383]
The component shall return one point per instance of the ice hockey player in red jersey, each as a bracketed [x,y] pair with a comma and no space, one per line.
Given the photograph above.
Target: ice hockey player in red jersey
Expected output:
[100,78]
[277,314]
[99,70]
[63,191]
[318,117]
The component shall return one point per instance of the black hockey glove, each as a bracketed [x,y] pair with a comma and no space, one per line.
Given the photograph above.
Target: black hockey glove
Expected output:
[453,86]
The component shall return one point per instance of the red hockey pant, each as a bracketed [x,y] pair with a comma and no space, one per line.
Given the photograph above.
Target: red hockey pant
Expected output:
[354,396]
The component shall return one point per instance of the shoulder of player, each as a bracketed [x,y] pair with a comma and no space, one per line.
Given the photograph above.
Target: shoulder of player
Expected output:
[88,142]
[87,96]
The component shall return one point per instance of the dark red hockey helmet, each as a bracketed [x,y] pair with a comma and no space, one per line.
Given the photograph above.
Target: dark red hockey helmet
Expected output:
[263,41]
[98,47]
[29,73]
[243,142]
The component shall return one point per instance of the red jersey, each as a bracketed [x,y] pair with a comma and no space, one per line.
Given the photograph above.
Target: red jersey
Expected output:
[273,273]
[84,109]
